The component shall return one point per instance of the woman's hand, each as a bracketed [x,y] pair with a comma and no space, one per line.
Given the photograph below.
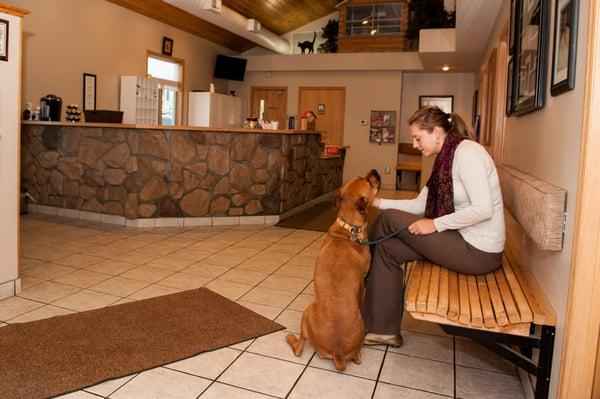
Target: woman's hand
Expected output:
[422,227]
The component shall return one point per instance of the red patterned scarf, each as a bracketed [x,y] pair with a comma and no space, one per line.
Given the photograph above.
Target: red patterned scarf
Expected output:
[440,197]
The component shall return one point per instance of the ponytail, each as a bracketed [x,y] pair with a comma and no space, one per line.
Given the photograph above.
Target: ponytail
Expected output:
[430,117]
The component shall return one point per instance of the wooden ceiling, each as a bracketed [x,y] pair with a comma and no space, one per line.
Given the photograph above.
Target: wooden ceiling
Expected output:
[282,16]
[279,16]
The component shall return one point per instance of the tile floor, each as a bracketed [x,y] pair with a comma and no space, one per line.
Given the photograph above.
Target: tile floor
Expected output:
[70,265]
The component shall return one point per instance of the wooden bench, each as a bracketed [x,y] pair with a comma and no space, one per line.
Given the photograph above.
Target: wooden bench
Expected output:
[499,309]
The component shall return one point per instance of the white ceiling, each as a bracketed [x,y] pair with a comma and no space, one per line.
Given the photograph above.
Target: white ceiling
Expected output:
[475,20]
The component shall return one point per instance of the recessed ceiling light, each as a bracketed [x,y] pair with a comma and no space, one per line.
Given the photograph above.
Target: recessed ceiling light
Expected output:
[445,68]
[366,21]
[373,32]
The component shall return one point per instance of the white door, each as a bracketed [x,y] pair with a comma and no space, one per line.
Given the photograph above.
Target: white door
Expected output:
[10,100]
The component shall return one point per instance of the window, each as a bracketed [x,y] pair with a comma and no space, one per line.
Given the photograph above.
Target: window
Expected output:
[169,71]
[373,19]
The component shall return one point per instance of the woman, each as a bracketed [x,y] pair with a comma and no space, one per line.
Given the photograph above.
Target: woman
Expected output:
[457,220]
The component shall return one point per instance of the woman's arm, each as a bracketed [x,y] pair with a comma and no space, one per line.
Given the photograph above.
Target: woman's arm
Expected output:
[473,174]
[415,206]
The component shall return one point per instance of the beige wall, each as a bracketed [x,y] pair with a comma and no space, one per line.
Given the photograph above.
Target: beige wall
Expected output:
[65,38]
[459,85]
[10,76]
[365,91]
[546,144]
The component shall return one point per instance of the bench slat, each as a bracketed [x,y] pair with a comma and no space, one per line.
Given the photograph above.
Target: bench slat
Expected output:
[515,288]
[412,290]
[507,299]
[442,308]
[486,304]
[424,288]
[453,296]
[543,314]
[499,311]
[476,317]
[463,294]
[513,329]
[434,289]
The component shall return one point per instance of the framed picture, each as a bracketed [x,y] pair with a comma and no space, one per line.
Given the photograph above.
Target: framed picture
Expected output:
[509,89]
[528,80]
[383,127]
[89,91]
[565,46]
[474,110]
[3,40]
[511,32]
[445,103]
[167,46]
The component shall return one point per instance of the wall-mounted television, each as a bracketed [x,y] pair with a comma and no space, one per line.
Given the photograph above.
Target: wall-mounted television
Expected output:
[231,68]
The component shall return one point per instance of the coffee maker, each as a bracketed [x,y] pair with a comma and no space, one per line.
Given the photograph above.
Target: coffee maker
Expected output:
[50,108]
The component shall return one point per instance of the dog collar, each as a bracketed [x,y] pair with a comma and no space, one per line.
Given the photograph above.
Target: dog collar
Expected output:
[354,230]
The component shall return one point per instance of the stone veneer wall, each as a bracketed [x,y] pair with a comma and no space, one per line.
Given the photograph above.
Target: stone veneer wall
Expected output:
[173,173]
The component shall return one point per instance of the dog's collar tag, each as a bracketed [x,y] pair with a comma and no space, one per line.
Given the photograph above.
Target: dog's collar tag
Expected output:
[354,230]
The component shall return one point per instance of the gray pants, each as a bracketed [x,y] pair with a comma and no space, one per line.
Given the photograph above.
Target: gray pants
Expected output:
[384,298]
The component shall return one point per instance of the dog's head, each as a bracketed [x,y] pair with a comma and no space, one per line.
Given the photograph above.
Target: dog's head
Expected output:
[358,194]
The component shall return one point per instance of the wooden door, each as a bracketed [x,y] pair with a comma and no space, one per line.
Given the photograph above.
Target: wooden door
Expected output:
[328,104]
[272,101]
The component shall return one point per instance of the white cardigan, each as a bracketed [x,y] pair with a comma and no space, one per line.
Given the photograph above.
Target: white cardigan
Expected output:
[478,209]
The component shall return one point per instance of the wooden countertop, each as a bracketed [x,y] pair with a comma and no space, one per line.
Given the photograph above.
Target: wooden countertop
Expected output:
[155,127]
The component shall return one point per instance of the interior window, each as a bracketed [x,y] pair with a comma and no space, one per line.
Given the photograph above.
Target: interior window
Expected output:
[374,19]
[169,72]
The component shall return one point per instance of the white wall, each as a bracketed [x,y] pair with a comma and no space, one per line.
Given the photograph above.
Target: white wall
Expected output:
[65,38]
[546,144]
[10,90]
[459,85]
[365,91]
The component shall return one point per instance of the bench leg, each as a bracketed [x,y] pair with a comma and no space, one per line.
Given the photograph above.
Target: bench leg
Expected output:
[500,344]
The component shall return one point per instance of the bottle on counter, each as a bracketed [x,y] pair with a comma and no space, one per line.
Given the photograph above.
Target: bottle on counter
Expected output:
[28,112]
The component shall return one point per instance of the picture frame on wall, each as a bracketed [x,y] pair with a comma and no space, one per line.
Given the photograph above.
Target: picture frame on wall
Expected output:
[528,81]
[565,46]
[383,127]
[3,40]
[89,92]
[167,46]
[445,103]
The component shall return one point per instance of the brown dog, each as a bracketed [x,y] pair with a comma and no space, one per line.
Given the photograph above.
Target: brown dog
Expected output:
[333,323]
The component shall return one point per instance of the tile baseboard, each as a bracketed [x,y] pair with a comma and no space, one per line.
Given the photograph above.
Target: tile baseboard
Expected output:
[10,288]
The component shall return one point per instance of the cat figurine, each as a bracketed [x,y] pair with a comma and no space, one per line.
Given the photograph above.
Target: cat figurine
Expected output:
[309,46]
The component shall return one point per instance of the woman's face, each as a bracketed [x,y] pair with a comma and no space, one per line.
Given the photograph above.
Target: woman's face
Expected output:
[426,142]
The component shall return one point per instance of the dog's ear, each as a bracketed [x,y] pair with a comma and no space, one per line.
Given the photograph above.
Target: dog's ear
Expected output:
[374,179]
[362,204]
[336,200]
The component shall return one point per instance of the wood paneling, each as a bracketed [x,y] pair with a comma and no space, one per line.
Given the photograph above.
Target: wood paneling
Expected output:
[282,16]
[331,122]
[156,9]
[373,43]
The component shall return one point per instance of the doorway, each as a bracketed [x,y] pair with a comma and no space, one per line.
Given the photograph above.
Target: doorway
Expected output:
[328,104]
[269,104]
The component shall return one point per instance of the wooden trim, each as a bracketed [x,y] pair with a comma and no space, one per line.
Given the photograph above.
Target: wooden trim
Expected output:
[497,149]
[583,306]
[12,10]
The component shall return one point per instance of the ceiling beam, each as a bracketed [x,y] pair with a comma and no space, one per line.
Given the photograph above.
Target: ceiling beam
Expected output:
[173,16]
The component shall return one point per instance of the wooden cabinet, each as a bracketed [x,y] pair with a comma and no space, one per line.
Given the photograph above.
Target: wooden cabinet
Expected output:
[207,109]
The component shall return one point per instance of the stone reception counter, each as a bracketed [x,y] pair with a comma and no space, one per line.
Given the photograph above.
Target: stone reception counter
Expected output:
[151,172]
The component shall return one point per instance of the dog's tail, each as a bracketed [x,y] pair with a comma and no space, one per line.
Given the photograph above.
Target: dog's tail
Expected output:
[339,361]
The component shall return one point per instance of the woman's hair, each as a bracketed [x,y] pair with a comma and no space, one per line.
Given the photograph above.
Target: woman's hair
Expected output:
[430,117]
